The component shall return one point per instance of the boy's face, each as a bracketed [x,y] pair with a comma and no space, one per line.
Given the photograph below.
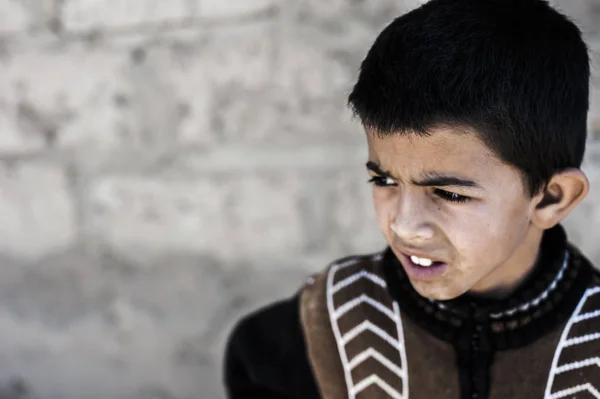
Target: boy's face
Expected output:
[447,198]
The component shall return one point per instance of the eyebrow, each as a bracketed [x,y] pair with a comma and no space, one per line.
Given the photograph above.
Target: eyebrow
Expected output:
[430,179]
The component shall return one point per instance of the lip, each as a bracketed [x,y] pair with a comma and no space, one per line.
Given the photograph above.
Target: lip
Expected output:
[418,272]
[419,255]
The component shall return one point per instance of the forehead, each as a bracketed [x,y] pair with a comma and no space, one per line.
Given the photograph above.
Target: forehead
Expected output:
[444,150]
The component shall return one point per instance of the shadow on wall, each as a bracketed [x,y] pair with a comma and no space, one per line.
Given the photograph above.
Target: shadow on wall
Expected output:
[16,388]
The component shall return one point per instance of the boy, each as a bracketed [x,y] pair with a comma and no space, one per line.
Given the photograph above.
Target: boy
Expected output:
[475,115]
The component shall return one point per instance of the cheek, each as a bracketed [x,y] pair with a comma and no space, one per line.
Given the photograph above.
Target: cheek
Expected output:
[489,234]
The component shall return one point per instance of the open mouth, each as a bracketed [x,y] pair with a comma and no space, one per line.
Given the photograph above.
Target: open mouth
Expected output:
[423,262]
[422,268]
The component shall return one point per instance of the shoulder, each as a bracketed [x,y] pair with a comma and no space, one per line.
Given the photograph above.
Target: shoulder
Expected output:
[266,354]
[275,322]
[267,325]
[591,270]
[574,369]
[352,267]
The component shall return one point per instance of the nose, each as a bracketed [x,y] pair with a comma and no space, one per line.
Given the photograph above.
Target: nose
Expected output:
[410,221]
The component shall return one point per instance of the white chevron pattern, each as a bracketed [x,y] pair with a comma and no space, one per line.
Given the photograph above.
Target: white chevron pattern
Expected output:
[579,388]
[581,340]
[376,380]
[355,277]
[587,316]
[576,317]
[368,326]
[355,387]
[364,298]
[372,353]
[577,365]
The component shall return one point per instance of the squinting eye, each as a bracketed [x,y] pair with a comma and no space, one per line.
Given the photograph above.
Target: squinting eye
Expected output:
[382,181]
[450,196]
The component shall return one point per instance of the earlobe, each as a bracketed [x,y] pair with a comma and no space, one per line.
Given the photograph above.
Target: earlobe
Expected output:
[564,191]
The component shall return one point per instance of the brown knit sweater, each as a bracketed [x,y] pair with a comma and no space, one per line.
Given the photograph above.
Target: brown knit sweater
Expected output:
[359,330]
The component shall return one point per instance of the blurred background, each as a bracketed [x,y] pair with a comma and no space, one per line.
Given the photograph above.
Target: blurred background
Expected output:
[167,166]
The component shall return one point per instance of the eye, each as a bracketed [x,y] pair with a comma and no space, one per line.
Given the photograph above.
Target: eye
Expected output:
[382,181]
[450,196]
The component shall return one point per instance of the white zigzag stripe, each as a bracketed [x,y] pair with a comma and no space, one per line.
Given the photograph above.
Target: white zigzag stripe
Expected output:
[355,277]
[372,353]
[564,342]
[374,379]
[349,262]
[337,333]
[367,325]
[579,388]
[364,298]
[581,340]
[587,316]
[334,314]
[402,351]
[578,365]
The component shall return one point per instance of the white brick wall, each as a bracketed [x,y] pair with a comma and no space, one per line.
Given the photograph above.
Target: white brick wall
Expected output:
[14,17]
[233,8]
[85,15]
[68,91]
[166,166]
[37,213]
[158,214]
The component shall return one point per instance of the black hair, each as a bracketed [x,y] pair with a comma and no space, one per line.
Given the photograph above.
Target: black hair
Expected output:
[514,71]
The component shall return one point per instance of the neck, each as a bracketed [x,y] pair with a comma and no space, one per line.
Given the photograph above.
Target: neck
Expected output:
[506,278]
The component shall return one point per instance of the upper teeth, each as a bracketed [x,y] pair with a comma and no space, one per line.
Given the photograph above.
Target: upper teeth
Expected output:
[421,261]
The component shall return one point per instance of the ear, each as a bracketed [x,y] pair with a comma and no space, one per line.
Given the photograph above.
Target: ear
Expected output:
[564,191]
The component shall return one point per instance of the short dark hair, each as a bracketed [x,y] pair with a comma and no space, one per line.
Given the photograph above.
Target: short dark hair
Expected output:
[515,71]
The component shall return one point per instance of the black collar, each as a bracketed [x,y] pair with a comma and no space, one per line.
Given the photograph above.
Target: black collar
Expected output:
[545,300]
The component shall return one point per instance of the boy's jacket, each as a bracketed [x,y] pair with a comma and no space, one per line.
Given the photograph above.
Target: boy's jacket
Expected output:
[359,330]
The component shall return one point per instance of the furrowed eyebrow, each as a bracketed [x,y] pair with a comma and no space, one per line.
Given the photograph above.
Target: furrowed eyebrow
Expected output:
[430,179]
[442,180]
[373,167]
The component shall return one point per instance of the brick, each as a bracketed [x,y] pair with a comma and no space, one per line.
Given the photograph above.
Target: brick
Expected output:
[280,118]
[37,213]
[377,13]
[14,17]
[85,15]
[191,84]
[43,107]
[161,215]
[151,108]
[238,159]
[249,116]
[200,215]
[14,137]
[232,8]
[243,56]
[265,217]
[303,100]
[108,317]
[113,100]
[226,61]
[306,68]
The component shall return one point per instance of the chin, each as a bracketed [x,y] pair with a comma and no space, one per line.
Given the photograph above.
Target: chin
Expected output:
[431,291]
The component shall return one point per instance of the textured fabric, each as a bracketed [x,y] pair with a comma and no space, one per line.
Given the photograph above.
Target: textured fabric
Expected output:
[266,356]
[364,332]
[363,324]
[320,338]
